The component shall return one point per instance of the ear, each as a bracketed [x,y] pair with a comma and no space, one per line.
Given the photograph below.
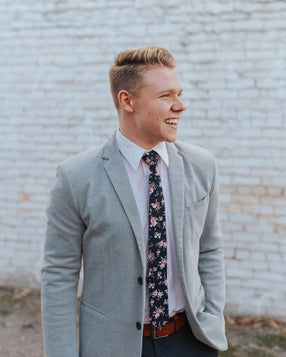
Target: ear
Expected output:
[125,100]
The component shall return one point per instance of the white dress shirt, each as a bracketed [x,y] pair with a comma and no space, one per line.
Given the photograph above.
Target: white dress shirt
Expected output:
[137,171]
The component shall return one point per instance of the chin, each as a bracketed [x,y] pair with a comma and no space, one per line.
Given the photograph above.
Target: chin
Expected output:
[171,140]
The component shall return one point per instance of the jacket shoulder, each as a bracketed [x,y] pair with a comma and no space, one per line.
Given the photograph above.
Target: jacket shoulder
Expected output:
[79,170]
[199,164]
[89,161]
[82,160]
[195,153]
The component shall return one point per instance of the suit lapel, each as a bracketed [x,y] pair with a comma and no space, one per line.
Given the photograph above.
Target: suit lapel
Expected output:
[115,169]
[118,176]
[177,183]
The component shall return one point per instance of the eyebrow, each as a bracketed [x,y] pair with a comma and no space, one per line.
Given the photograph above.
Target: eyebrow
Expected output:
[171,90]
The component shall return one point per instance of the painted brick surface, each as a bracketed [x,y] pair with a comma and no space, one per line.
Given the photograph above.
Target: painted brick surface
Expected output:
[55,101]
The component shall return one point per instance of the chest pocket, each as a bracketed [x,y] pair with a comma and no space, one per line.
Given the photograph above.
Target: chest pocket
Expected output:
[196,213]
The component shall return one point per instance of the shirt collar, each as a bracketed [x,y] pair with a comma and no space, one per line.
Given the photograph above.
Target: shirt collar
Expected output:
[133,153]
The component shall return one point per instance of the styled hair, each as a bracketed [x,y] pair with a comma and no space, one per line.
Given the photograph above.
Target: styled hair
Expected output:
[129,66]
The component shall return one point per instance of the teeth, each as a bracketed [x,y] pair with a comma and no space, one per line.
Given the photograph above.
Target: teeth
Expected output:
[172,121]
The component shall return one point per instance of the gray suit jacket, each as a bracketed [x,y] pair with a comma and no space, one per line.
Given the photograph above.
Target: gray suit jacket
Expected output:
[92,215]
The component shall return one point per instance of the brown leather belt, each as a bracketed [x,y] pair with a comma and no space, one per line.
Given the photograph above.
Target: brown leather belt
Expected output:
[175,323]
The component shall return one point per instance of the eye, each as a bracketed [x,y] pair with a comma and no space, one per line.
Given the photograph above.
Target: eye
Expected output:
[165,95]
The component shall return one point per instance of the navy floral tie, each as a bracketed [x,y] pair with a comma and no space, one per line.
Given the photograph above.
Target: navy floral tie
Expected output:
[157,244]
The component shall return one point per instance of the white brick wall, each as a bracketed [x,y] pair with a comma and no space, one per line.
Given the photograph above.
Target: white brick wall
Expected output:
[55,101]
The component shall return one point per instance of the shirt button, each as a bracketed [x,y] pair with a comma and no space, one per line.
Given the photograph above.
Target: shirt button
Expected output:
[138,325]
[140,280]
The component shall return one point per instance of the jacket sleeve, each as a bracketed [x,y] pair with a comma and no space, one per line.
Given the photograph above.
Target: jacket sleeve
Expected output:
[211,258]
[60,271]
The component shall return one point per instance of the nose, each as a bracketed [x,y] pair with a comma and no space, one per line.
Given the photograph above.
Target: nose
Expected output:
[178,106]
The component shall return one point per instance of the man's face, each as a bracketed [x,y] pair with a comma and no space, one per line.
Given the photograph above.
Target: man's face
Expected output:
[157,108]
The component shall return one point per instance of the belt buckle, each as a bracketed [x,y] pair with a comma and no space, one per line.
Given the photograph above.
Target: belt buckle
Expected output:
[153,333]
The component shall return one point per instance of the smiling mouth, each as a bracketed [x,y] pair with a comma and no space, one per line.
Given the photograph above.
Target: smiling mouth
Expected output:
[173,122]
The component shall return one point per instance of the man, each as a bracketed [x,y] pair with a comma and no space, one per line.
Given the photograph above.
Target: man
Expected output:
[142,212]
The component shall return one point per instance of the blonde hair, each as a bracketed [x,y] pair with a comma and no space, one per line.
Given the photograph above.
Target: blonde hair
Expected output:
[129,66]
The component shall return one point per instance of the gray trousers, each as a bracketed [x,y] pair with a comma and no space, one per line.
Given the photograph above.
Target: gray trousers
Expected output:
[181,343]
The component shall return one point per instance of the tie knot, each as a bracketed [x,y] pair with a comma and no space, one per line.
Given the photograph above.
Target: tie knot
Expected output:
[151,158]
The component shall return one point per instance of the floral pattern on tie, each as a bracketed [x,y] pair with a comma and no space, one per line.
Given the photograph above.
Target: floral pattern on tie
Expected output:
[157,245]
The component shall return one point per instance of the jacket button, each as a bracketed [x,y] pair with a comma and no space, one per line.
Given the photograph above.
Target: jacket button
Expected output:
[138,325]
[140,280]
